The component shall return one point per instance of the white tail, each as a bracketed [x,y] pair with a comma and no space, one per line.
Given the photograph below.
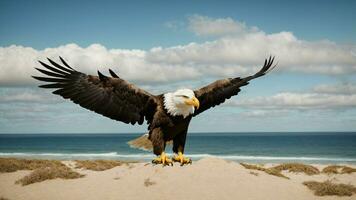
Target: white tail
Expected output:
[142,143]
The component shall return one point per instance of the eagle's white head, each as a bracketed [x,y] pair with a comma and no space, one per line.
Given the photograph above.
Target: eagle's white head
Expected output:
[181,102]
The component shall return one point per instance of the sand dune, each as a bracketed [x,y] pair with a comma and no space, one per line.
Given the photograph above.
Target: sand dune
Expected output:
[208,179]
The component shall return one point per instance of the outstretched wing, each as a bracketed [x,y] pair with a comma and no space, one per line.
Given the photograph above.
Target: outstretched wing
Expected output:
[112,97]
[217,92]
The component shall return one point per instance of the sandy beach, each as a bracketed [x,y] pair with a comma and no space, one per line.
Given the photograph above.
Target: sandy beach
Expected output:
[208,178]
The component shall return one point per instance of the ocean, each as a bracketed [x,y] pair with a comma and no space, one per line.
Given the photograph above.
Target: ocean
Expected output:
[323,148]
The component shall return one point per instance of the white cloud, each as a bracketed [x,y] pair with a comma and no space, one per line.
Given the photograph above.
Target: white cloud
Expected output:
[26,95]
[263,113]
[238,51]
[175,25]
[203,25]
[289,100]
[18,62]
[344,88]
[327,97]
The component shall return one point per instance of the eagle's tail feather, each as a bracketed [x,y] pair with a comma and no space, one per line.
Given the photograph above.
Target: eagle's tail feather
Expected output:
[141,142]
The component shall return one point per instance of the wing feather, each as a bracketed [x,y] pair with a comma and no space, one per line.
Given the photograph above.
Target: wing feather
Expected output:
[109,96]
[112,73]
[52,68]
[64,63]
[59,67]
[50,73]
[218,91]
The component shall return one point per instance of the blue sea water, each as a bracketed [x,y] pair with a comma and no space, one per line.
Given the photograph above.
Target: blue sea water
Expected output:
[242,147]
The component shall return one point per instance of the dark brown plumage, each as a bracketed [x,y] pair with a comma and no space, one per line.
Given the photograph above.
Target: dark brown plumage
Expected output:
[112,97]
[217,92]
[117,99]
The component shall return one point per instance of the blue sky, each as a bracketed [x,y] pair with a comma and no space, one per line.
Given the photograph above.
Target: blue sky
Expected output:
[139,24]
[314,88]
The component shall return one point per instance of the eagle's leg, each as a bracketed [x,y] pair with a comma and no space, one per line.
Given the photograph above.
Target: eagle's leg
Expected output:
[182,159]
[162,159]
[159,144]
[178,149]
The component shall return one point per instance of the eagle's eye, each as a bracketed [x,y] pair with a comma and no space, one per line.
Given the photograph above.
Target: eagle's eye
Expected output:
[184,96]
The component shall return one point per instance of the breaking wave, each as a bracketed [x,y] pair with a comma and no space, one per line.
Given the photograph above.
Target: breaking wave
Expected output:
[147,156]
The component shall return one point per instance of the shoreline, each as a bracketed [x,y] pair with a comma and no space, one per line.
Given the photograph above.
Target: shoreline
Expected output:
[147,157]
[331,148]
[207,178]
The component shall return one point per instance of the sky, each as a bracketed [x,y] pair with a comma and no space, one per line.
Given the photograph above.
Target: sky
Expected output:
[162,46]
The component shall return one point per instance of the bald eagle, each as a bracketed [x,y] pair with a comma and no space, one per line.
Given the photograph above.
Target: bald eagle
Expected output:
[168,115]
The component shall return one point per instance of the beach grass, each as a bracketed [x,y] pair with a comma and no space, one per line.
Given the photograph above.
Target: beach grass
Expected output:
[48,173]
[270,171]
[327,188]
[338,169]
[254,167]
[275,172]
[15,164]
[348,170]
[98,165]
[291,167]
[41,169]
[297,168]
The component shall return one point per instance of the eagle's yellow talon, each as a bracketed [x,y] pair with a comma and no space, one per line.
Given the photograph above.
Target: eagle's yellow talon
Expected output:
[162,159]
[180,158]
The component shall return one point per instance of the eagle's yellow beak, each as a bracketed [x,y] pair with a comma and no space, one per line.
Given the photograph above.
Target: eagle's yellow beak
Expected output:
[193,102]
